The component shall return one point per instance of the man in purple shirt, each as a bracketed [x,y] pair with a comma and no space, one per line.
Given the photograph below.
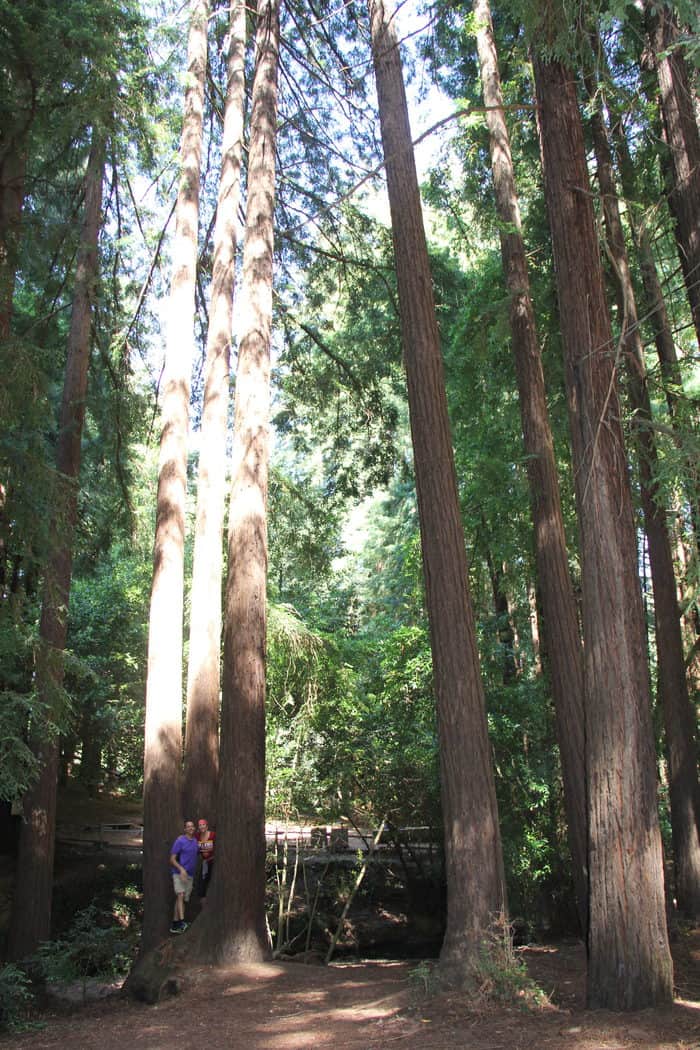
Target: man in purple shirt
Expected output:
[183,864]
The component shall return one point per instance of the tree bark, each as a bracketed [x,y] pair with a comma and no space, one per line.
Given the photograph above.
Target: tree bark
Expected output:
[163,728]
[233,926]
[679,719]
[504,627]
[474,865]
[203,683]
[683,140]
[565,656]
[629,960]
[12,173]
[31,906]
[680,408]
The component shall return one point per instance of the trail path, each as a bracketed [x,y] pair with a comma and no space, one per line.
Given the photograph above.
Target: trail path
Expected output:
[373,1006]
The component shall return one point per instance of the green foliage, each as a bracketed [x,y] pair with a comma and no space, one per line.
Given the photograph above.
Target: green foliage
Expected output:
[530,801]
[15,999]
[107,636]
[498,975]
[422,977]
[339,371]
[94,947]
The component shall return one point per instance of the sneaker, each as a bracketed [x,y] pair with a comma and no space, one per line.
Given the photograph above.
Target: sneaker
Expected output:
[178,926]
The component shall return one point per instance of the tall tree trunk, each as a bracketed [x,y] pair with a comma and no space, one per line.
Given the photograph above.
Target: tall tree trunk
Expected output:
[473,857]
[655,303]
[163,728]
[504,626]
[680,408]
[12,172]
[683,140]
[629,960]
[234,922]
[203,680]
[679,718]
[565,656]
[31,906]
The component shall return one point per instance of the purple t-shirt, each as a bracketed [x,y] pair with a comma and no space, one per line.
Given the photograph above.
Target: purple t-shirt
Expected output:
[185,850]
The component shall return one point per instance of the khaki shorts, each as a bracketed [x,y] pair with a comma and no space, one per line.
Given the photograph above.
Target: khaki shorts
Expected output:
[183,885]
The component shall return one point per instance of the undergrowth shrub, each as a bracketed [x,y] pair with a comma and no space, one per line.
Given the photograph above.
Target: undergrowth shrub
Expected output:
[499,975]
[94,947]
[15,999]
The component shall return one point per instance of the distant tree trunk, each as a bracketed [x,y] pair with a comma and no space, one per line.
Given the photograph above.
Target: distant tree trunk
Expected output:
[683,140]
[203,681]
[655,304]
[90,750]
[31,906]
[233,926]
[679,718]
[564,653]
[474,865]
[629,960]
[163,728]
[12,172]
[680,408]
[504,627]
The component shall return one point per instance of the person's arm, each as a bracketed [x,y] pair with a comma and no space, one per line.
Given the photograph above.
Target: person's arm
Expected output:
[176,864]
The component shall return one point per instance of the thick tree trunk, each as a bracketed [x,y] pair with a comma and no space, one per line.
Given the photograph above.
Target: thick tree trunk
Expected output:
[679,719]
[31,906]
[233,926]
[565,656]
[203,680]
[683,140]
[474,866]
[163,728]
[629,960]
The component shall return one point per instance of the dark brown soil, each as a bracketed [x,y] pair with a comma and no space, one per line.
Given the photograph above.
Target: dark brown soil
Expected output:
[290,1006]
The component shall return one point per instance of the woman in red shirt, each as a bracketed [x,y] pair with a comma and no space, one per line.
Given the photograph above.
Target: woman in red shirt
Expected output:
[205,843]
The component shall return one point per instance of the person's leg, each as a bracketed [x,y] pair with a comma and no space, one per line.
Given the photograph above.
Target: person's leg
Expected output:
[180,907]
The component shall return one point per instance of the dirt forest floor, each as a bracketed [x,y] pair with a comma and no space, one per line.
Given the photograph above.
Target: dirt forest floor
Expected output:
[377,1005]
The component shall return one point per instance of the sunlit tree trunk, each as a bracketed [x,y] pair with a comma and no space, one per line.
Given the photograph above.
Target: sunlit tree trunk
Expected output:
[234,922]
[565,657]
[163,727]
[474,866]
[203,679]
[629,959]
[683,140]
[31,906]
[679,718]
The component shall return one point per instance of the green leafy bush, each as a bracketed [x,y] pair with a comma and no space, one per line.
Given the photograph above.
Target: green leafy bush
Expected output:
[94,947]
[15,999]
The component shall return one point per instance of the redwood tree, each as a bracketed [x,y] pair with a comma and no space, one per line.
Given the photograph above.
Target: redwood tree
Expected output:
[557,596]
[163,729]
[203,678]
[473,857]
[31,905]
[233,927]
[683,141]
[629,960]
[679,718]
